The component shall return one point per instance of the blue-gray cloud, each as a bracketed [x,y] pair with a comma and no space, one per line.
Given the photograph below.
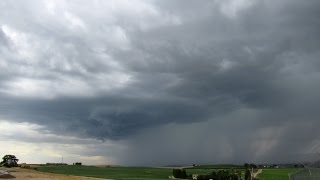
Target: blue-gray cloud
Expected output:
[110,70]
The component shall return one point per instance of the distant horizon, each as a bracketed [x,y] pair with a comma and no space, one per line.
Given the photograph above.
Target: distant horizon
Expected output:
[180,164]
[168,166]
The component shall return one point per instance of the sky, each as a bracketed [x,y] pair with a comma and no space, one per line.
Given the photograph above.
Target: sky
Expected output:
[159,82]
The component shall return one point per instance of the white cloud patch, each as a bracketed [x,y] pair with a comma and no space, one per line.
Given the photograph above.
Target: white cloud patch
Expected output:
[232,8]
[24,139]
[21,43]
[73,21]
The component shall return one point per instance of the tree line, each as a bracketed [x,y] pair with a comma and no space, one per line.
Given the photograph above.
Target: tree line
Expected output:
[215,175]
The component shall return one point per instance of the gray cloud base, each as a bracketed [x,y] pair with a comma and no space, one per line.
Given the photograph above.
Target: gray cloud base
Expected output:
[200,78]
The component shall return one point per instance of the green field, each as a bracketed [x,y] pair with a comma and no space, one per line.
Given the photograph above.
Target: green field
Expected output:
[276,174]
[208,169]
[122,173]
[127,173]
[117,173]
[218,166]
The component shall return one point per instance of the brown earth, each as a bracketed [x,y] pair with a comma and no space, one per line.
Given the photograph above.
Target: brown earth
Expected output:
[26,174]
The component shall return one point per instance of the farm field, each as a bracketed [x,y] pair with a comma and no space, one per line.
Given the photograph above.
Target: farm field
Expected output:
[218,166]
[117,173]
[121,173]
[127,173]
[276,174]
[208,169]
[28,174]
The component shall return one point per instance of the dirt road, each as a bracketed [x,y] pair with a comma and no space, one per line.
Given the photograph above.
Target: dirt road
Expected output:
[255,175]
[26,174]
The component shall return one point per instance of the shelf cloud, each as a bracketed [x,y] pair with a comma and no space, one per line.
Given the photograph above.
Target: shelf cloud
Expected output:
[194,82]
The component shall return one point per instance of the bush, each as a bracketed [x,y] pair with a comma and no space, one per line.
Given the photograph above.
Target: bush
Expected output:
[204,177]
[247,175]
[221,175]
[179,173]
[25,166]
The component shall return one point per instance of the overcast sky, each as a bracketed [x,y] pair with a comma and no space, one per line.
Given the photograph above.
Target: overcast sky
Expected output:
[159,82]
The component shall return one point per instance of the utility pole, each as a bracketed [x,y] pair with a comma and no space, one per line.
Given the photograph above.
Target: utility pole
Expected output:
[251,173]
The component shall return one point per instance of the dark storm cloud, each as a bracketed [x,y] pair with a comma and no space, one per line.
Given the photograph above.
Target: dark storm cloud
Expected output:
[172,66]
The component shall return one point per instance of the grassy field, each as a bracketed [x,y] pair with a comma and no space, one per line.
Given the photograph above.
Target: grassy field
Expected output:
[222,166]
[208,169]
[276,174]
[117,173]
[127,173]
[122,173]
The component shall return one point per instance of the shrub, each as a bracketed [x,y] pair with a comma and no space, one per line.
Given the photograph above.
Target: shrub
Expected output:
[179,173]
[247,175]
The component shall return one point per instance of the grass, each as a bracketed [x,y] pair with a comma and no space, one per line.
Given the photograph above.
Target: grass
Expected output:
[117,173]
[199,171]
[130,173]
[276,174]
[208,169]
[125,173]
[222,166]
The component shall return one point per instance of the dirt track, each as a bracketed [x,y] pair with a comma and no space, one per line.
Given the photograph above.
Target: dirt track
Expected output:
[25,174]
[255,175]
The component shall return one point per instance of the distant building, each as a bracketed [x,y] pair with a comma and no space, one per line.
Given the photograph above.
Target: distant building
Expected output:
[275,166]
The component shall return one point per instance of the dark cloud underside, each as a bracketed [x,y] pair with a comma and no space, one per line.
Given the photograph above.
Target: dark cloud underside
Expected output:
[217,71]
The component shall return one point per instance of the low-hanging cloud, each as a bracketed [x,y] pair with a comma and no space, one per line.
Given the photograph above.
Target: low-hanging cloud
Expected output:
[238,77]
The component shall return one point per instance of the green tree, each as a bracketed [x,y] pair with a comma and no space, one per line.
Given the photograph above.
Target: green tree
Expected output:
[247,175]
[183,174]
[246,165]
[9,161]
[177,173]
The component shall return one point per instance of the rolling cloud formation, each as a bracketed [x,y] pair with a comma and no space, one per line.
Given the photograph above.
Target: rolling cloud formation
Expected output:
[196,81]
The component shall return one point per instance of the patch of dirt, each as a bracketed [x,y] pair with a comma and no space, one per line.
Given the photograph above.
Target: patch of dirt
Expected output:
[26,174]
[255,175]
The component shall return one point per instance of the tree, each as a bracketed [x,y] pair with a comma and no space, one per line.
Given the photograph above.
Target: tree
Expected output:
[247,175]
[253,166]
[183,174]
[223,174]
[214,175]
[177,173]
[9,161]
[246,165]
